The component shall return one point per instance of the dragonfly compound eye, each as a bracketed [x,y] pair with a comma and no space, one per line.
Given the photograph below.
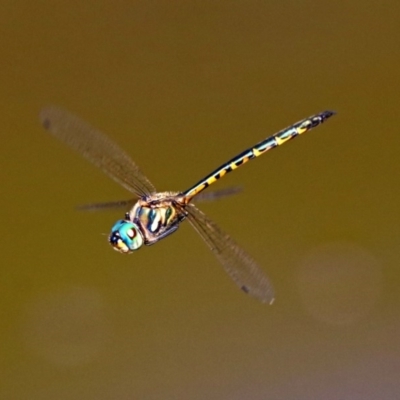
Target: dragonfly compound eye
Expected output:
[125,236]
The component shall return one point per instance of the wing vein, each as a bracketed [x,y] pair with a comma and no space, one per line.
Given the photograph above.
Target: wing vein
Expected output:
[96,147]
[239,265]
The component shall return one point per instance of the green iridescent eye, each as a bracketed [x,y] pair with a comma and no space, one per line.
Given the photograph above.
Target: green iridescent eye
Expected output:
[125,236]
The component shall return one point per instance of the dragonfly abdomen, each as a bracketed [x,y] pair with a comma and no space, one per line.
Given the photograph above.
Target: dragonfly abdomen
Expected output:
[257,150]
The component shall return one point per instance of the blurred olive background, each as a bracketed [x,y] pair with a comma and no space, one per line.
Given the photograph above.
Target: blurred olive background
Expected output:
[183,86]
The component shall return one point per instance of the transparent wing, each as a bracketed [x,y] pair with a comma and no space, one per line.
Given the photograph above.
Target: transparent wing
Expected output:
[127,204]
[97,148]
[218,194]
[237,263]
[110,205]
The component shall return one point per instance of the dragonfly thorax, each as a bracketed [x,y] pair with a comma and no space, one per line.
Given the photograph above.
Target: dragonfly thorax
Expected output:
[152,218]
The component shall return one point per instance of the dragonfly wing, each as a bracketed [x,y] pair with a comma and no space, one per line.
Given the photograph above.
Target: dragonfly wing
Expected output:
[97,148]
[218,194]
[128,204]
[107,206]
[239,265]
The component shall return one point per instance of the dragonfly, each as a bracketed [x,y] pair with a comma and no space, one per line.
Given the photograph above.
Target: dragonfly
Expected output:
[155,215]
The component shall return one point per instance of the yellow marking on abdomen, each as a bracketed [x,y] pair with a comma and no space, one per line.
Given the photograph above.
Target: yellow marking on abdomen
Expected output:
[280,141]
[211,180]
[257,152]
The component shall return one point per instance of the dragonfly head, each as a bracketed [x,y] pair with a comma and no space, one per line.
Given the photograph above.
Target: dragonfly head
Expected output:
[125,236]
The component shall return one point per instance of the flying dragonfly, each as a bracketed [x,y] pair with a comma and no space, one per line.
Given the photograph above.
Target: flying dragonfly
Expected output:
[155,215]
